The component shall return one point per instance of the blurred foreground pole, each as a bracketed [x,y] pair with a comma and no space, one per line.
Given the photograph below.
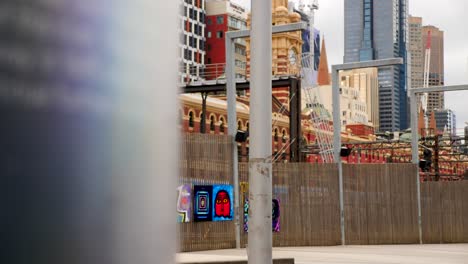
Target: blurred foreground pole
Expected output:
[88,134]
[260,168]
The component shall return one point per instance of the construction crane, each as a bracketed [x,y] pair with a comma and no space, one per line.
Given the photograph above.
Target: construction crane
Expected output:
[427,65]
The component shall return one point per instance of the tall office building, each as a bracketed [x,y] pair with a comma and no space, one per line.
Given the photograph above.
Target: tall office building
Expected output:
[446,120]
[192,44]
[378,30]
[416,50]
[436,67]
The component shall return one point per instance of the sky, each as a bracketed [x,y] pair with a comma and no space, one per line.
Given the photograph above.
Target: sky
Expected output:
[449,16]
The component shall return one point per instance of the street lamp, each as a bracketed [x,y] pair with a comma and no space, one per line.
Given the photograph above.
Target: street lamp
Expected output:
[337,120]
[413,93]
[231,101]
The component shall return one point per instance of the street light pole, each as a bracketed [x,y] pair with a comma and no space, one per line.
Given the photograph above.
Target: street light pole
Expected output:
[414,92]
[260,167]
[231,101]
[337,121]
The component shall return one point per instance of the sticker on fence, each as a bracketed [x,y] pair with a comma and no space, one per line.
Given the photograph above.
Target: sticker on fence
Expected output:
[184,212]
[275,215]
[223,203]
[202,203]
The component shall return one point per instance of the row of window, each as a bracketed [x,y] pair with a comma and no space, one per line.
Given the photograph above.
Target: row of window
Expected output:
[237,23]
[196,3]
[219,20]
[192,42]
[222,126]
[194,14]
[194,27]
[219,34]
[240,64]
[192,55]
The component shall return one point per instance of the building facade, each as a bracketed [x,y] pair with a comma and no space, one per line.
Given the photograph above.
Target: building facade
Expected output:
[192,44]
[222,16]
[365,81]
[416,50]
[286,46]
[378,30]
[446,121]
[436,66]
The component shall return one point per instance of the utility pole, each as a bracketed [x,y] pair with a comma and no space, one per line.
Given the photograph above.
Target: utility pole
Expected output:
[436,157]
[260,166]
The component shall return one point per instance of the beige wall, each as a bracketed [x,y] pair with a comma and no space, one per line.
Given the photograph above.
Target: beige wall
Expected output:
[353,110]
[365,81]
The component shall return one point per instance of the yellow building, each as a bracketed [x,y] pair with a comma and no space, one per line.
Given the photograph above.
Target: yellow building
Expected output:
[286,47]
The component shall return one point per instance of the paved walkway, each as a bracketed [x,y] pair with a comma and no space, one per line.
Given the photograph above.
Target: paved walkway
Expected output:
[382,254]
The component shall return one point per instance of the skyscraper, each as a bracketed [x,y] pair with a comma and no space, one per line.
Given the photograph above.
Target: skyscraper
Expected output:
[416,49]
[436,66]
[378,30]
[446,120]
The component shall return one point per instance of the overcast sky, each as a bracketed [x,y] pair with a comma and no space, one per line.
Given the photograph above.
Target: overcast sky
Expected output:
[450,16]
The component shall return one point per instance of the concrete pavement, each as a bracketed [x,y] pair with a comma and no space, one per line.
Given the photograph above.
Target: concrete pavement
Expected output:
[382,254]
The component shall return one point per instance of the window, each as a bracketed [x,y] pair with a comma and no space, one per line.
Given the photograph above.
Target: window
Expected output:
[208,60]
[219,20]
[209,21]
[276,135]
[283,138]
[191,122]
[202,17]
[239,125]
[208,47]
[212,125]
[192,42]
[221,125]
[201,44]
[191,12]
[209,34]
[219,34]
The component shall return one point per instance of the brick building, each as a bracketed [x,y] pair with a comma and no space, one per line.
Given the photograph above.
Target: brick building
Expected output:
[222,16]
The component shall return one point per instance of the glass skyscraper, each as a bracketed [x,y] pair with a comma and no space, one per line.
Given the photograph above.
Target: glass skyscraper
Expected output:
[377,29]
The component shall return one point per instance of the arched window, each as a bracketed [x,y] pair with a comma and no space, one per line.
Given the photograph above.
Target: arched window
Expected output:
[212,123]
[283,137]
[190,121]
[239,125]
[276,135]
[221,125]
[247,125]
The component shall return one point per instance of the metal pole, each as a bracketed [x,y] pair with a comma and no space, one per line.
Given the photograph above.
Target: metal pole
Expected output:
[337,145]
[232,129]
[231,98]
[415,155]
[260,167]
